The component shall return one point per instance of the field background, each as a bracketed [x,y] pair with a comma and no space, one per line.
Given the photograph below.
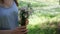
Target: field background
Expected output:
[45,18]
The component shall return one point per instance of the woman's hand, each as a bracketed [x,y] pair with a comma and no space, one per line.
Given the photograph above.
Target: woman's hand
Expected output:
[20,30]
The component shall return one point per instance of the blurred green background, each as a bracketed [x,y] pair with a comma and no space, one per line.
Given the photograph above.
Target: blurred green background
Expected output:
[45,18]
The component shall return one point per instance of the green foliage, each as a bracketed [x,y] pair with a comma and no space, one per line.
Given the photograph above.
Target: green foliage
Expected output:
[38,30]
[46,19]
[38,4]
[21,3]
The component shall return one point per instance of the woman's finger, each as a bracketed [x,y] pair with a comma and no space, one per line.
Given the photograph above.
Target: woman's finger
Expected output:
[22,27]
[23,30]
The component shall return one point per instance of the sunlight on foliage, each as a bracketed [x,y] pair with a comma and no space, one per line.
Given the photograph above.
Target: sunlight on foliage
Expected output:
[45,17]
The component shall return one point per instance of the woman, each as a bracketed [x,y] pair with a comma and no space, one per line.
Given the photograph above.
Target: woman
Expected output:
[9,16]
